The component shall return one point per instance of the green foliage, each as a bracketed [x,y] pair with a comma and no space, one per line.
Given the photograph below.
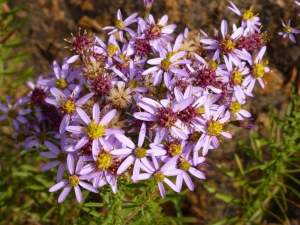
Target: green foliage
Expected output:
[11,52]
[271,173]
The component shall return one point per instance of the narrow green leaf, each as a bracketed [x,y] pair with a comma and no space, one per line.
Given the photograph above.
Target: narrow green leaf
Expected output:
[91,212]
[94,204]
[239,163]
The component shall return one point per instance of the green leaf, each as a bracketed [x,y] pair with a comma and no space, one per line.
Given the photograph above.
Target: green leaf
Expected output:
[239,163]
[94,204]
[91,212]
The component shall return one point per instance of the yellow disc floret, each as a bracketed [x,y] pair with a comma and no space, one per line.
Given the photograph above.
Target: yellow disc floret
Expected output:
[248,15]
[140,152]
[159,176]
[120,24]
[185,165]
[166,63]
[237,77]
[12,114]
[95,130]
[68,107]
[73,180]
[287,30]
[258,69]
[111,49]
[212,64]
[175,149]
[104,161]
[61,83]
[235,107]
[200,111]
[62,157]
[227,44]
[214,128]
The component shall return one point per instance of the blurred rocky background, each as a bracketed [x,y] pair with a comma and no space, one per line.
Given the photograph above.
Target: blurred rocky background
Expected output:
[52,21]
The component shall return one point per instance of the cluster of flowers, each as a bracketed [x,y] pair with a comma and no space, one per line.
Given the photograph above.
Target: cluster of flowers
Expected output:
[288,31]
[150,105]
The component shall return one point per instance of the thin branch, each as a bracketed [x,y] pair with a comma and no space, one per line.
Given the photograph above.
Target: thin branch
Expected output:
[141,207]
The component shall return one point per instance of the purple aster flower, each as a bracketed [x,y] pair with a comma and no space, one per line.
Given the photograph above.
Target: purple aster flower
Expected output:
[188,164]
[67,105]
[168,63]
[165,114]
[159,174]
[12,112]
[132,154]
[288,31]
[41,136]
[236,77]
[212,128]
[248,18]
[74,180]
[63,76]
[236,109]
[157,34]
[60,156]
[102,168]
[258,70]
[94,129]
[122,26]
[227,44]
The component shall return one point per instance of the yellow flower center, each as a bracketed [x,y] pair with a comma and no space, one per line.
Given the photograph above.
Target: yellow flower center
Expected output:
[166,63]
[214,128]
[248,15]
[159,176]
[62,157]
[212,64]
[175,149]
[120,24]
[61,83]
[133,83]
[73,180]
[140,152]
[200,111]
[111,49]
[42,137]
[104,161]
[227,44]
[185,165]
[237,77]
[95,130]
[287,30]
[258,69]
[235,107]
[12,114]
[68,107]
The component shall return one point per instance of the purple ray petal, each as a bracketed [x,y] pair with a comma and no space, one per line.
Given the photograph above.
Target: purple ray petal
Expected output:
[125,164]
[58,185]
[83,116]
[64,193]
[162,190]
[108,117]
[78,193]
[49,165]
[88,187]
[70,164]
[125,140]
[60,172]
